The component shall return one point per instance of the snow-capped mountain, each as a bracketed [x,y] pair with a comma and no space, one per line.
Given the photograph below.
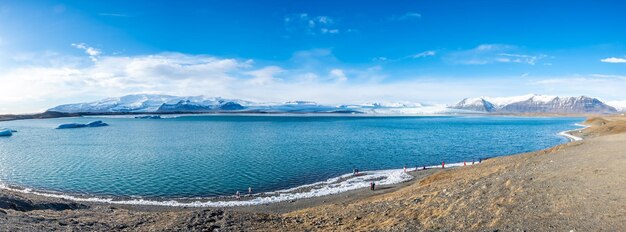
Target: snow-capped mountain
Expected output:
[534,103]
[152,103]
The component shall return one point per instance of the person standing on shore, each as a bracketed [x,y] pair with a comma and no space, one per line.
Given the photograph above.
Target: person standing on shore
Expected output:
[249,190]
[372,186]
[237,195]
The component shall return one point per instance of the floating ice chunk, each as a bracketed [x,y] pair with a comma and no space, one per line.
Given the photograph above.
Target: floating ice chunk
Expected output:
[6,132]
[149,117]
[96,124]
[71,125]
[80,125]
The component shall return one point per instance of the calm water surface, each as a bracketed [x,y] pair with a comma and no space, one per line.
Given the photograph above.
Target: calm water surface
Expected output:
[204,156]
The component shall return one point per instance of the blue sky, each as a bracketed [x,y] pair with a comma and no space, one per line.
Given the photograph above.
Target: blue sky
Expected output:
[438,52]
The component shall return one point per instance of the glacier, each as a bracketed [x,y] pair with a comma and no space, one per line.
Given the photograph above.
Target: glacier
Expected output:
[167,104]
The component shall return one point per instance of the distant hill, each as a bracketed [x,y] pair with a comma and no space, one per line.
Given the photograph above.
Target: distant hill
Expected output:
[534,103]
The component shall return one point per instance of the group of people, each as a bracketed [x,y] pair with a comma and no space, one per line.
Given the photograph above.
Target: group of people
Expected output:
[238,195]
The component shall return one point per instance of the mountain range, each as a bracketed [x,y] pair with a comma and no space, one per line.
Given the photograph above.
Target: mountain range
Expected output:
[156,103]
[534,103]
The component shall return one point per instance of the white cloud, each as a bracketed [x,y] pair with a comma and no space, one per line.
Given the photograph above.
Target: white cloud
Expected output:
[92,52]
[265,76]
[32,88]
[329,31]
[338,75]
[608,88]
[424,54]
[113,14]
[613,60]
[311,24]
[40,85]
[519,58]
[406,16]
[493,53]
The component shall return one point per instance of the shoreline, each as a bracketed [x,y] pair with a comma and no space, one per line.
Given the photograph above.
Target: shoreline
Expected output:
[265,198]
[572,138]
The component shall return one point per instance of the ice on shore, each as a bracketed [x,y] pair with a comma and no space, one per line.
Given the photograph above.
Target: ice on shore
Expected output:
[80,125]
[343,183]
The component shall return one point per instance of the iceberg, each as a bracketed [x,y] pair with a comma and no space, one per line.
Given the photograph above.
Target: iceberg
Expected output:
[6,132]
[80,125]
[71,125]
[148,117]
[96,124]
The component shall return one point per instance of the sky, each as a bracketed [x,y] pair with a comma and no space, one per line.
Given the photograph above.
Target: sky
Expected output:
[332,52]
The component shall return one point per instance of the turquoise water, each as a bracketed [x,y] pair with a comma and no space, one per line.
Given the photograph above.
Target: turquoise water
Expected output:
[205,156]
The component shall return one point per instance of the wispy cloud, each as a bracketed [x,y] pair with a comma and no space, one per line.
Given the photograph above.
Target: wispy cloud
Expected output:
[493,53]
[311,24]
[113,14]
[406,16]
[614,60]
[424,54]
[380,58]
[92,52]
[609,76]
[519,58]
